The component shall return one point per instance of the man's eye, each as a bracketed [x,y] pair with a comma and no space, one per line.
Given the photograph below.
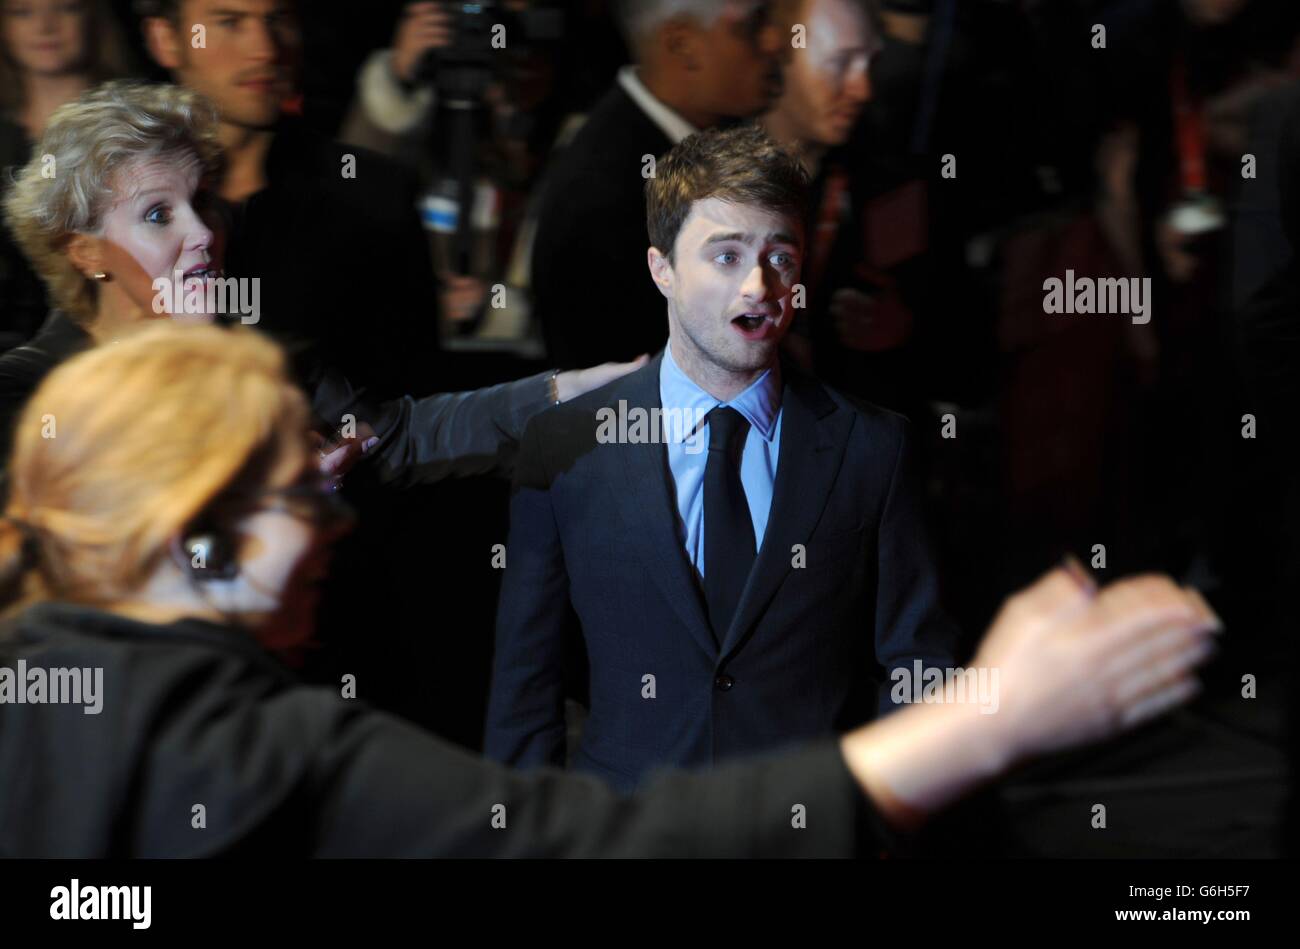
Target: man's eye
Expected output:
[227,21]
[727,258]
[158,214]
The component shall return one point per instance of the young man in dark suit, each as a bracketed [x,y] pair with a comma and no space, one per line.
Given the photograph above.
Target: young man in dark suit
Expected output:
[732,599]
[699,64]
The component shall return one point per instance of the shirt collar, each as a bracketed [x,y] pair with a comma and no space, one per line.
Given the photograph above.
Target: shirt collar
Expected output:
[669,122]
[760,404]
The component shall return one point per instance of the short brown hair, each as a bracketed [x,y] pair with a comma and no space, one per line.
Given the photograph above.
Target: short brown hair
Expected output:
[742,165]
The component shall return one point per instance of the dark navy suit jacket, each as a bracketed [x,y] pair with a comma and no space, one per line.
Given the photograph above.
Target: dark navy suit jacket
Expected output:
[842,592]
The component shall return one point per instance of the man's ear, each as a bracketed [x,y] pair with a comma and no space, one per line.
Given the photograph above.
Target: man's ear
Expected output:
[86,253]
[661,271]
[162,41]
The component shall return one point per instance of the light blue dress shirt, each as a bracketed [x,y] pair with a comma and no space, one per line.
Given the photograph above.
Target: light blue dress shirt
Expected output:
[688,445]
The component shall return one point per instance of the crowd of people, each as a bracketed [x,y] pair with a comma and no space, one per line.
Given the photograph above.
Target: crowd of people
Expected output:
[471,246]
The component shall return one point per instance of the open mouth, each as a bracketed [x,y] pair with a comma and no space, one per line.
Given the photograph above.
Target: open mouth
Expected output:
[756,325]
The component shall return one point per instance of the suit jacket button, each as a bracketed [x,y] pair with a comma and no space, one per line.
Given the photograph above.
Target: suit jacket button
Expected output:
[723,683]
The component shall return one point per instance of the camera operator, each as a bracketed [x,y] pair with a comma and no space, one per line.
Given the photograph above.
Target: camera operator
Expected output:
[393,111]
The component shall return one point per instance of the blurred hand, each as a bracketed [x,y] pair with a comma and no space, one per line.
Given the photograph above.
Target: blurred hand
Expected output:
[424,26]
[337,456]
[571,384]
[1075,667]
[461,297]
[870,323]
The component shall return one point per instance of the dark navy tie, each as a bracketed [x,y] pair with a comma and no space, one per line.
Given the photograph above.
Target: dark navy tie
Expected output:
[729,548]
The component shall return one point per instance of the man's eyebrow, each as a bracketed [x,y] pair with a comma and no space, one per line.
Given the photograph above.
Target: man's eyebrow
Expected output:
[726,238]
[774,237]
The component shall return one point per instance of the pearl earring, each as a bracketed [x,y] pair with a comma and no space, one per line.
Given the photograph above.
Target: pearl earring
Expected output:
[100,275]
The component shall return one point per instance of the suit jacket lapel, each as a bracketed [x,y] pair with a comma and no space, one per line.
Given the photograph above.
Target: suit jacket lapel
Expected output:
[813,438]
[644,499]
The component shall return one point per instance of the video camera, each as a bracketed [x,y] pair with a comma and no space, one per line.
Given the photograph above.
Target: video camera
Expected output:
[481,32]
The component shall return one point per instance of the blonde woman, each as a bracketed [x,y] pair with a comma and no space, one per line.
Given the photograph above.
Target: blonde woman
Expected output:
[174,526]
[126,207]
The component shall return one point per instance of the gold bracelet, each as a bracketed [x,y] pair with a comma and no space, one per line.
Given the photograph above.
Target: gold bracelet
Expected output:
[553,388]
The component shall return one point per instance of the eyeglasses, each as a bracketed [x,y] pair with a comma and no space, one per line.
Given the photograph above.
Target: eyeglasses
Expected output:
[319,500]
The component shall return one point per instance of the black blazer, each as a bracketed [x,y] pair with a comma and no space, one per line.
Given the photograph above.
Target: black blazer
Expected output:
[593,525]
[343,261]
[591,286]
[194,713]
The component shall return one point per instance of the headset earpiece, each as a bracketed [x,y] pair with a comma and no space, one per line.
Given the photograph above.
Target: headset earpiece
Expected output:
[206,554]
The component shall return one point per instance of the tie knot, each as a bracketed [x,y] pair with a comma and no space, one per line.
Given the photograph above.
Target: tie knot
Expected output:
[725,427]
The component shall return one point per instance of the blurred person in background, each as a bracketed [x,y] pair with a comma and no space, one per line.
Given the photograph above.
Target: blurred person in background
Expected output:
[856,317]
[177,531]
[393,111]
[826,80]
[394,115]
[1186,79]
[698,63]
[331,231]
[50,52]
[398,108]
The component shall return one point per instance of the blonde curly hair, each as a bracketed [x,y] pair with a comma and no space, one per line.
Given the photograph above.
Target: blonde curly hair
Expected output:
[78,169]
